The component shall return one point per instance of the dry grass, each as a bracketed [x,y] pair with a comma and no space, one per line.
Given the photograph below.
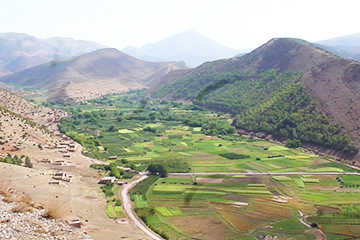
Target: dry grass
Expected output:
[56,209]
[24,201]
[23,207]
[4,188]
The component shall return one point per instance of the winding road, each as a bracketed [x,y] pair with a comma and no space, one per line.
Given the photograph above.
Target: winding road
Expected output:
[128,208]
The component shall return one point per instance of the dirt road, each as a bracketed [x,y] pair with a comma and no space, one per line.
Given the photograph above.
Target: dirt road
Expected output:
[128,208]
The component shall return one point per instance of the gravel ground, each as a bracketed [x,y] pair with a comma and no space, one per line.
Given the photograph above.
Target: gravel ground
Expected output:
[31,225]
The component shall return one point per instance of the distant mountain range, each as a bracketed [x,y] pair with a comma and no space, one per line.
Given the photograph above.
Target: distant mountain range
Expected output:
[345,47]
[19,51]
[91,75]
[189,46]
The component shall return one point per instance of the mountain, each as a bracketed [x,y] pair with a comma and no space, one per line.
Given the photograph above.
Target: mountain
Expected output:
[92,75]
[19,51]
[189,46]
[348,40]
[321,105]
[346,46]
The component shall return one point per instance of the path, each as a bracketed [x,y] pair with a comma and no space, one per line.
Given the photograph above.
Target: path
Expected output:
[128,208]
[321,235]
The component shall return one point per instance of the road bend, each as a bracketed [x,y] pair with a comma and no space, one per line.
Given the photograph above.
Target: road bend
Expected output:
[128,208]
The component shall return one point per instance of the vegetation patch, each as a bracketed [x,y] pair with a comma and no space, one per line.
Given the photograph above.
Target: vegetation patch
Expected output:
[282,178]
[169,211]
[125,131]
[328,169]
[299,183]
[234,156]
[110,212]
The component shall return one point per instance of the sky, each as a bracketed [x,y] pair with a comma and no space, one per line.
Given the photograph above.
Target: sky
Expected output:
[238,24]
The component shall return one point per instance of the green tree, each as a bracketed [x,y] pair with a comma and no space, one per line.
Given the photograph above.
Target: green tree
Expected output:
[28,162]
[157,169]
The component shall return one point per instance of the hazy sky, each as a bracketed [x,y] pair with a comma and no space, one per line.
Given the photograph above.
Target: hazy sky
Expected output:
[235,23]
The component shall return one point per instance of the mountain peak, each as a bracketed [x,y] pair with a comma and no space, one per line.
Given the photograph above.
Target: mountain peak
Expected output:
[189,46]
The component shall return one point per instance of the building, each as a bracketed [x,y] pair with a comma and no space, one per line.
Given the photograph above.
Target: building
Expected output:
[59,162]
[113,158]
[106,180]
[61,146]
[59,175]
[74,223]
[46,160]
[55,183]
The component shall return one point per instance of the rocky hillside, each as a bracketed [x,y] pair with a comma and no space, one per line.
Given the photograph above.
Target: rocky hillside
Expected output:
[21,218]
[331,82]
[92,75]
[19,51]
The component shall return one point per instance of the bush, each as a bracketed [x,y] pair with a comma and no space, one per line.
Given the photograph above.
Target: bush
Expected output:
[234,156]
[118,202]
[107,189]
[314,225]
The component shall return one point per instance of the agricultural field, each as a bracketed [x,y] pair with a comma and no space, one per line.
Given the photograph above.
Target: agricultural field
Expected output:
[251,207]
[183,138]
[139,131]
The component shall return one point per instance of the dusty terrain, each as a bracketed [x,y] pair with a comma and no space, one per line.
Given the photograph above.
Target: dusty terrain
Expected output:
[80,198]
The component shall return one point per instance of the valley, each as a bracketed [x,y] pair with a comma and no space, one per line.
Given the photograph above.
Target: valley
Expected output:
[236,205]
[228,150]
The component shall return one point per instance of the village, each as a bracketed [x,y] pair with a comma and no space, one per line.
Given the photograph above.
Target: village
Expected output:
[58,167]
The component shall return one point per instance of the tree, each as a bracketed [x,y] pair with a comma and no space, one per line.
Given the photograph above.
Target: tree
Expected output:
[112,128]
[157,169]
[143,103]
[295,143]
[28,162]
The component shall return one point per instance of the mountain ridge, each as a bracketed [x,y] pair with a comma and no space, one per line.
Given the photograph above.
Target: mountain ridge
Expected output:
[91,75]
[19,51]
[329,79]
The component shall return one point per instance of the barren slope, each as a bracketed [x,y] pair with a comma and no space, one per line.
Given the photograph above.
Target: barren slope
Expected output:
[92,75]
